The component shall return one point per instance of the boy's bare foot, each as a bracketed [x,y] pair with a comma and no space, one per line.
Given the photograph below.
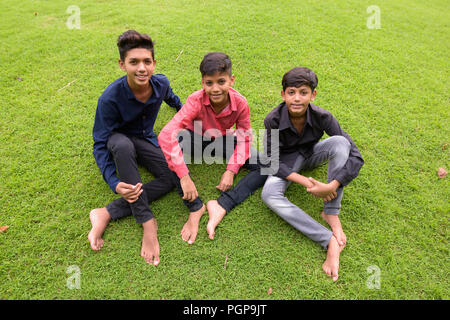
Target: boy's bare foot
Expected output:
[335,224]
[331,264]
[216,213]
[99,220]
[190,228]
[150,244]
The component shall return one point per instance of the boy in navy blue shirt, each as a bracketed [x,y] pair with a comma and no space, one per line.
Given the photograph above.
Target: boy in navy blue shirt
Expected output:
[123,138]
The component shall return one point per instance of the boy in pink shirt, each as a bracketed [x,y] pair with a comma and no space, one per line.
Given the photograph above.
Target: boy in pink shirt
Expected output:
[205,124]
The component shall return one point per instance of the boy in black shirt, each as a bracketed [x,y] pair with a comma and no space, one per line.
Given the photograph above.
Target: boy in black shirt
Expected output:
[300,126]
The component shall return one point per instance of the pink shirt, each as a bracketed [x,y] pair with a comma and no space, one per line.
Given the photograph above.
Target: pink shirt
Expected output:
[211,124]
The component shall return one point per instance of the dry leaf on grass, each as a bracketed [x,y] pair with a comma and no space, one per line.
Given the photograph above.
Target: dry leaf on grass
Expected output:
[269,291]
[4,228]
[442,172]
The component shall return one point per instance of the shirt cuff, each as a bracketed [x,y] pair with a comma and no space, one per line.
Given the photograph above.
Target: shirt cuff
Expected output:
[284,171]
[181,171]
[113,185]
[234,167]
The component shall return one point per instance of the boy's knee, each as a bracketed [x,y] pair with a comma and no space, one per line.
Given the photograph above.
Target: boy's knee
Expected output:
[341,145]
[119,143]
[268,194]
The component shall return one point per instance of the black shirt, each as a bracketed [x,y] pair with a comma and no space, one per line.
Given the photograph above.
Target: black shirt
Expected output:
[292,143]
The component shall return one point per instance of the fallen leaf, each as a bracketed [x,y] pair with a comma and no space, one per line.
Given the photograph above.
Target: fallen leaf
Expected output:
[18,78]
[35,13]
[445,146]
[269,291]
[4,228]
[442,172]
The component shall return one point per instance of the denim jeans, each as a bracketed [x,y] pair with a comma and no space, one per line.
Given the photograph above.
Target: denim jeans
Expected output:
[336,150]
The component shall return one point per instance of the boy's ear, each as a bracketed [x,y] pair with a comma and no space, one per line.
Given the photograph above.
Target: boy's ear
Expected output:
[122,65]
[282,95]
[313,96]
[232,80]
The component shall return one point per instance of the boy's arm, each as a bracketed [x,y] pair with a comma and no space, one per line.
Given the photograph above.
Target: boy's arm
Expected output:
[355,161]
[241,151]
[272,152]
[168,141]
[172,99]
[104,124]
[244,140]
[168,137]
[280,169]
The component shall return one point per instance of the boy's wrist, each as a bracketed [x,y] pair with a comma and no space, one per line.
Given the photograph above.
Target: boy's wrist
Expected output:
[230,172]
[334,184]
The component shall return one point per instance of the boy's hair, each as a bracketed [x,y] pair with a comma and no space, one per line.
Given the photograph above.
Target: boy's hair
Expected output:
[132,39]
[214,62]
[298,77]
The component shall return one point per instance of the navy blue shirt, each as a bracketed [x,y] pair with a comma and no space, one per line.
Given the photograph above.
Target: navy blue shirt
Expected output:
[118,110]
[293,143]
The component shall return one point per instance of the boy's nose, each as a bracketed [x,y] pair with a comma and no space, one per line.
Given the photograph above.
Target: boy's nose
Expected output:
[141,67]
[215,88]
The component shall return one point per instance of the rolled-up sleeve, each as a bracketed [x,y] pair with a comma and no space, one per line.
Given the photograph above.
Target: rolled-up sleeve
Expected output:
[244,139]
[355,161]
[168,137]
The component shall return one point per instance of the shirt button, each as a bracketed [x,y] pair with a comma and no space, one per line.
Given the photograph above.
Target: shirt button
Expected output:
[143,131]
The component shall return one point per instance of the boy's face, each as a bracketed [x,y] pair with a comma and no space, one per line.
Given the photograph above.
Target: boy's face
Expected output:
[217,87]
[298,99]
[139,66]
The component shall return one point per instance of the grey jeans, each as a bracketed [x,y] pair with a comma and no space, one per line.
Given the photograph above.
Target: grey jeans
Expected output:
[336,150]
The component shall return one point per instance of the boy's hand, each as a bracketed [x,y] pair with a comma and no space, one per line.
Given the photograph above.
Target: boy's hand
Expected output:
[321,190]
[129,192]
[189,190]
[226,182]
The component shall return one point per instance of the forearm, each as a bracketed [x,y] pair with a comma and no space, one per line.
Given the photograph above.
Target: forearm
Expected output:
[298,178]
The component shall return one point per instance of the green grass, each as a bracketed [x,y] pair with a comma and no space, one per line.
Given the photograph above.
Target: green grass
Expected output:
[387,87]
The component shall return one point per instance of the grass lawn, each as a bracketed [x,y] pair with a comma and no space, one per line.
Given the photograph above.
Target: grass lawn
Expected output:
[387,87]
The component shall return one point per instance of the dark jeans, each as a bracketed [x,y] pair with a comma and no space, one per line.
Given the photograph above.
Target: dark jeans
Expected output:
[128,152]
[194,145]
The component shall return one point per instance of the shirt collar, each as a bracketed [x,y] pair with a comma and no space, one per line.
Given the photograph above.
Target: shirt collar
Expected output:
[130,94]
[231,94]
[285,122]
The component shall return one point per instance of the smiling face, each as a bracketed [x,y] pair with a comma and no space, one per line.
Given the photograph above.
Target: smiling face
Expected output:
[139,66]
[298,99]
[216,87]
